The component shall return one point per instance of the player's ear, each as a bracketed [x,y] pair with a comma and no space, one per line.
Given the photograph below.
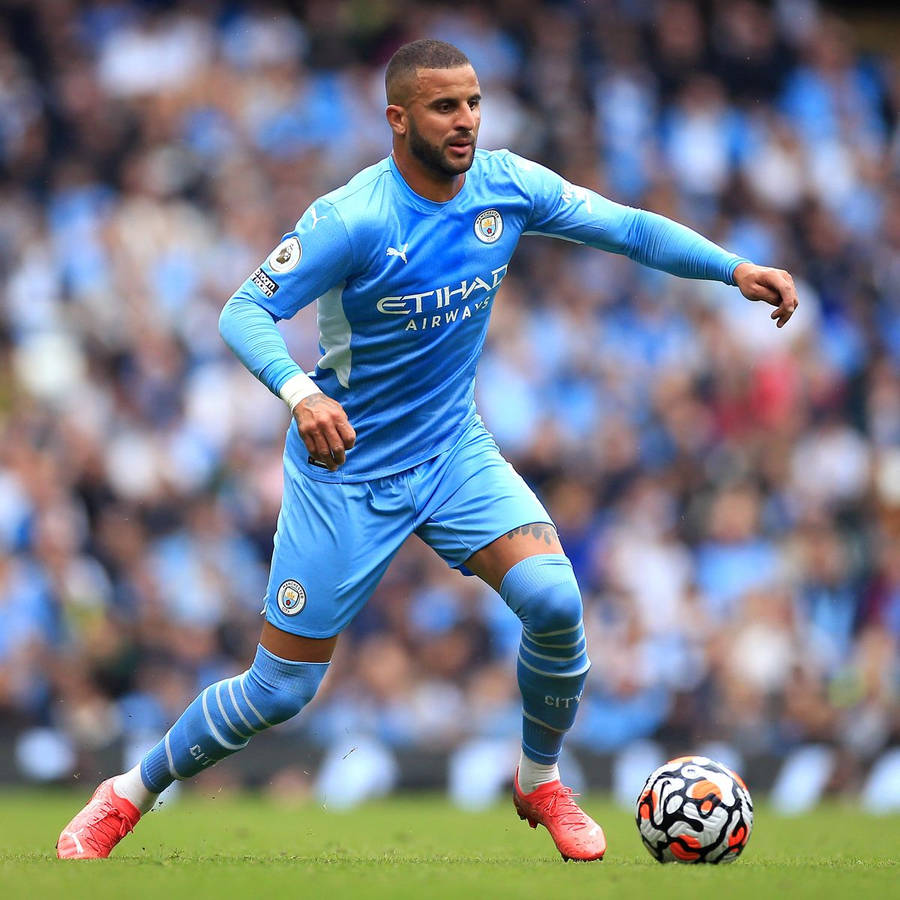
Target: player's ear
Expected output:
[396,116]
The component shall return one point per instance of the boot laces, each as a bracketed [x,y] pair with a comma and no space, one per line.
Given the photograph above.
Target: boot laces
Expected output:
[108,822]
[565,810]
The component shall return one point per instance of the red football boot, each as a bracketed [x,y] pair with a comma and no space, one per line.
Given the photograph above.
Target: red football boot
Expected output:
[576,834]
[99,826]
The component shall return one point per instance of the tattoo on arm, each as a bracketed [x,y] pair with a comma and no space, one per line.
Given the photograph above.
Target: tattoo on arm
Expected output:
[536,529]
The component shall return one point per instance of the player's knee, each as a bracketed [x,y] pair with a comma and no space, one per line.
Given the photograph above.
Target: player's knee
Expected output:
[543,592]
[277,689]
[558,608]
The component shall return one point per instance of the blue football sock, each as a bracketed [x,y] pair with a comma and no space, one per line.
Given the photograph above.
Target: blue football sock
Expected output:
[553,661]
[227,714]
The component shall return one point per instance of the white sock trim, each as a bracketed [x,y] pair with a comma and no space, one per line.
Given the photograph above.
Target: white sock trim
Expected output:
[533,774]
[130,786]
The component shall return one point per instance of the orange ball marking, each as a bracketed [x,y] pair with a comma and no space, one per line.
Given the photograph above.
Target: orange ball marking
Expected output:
[647,804]
[683,852]
[708,792]
[738,839]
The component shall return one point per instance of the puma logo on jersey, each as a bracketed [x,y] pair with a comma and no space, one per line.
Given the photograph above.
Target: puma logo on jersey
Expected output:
[393,251]
[316,219]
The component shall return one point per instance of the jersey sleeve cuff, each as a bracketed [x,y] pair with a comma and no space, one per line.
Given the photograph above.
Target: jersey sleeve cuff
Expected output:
[738,260]
[285,375]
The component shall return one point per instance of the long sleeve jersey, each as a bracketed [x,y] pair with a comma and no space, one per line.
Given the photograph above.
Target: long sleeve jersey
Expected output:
[405,287]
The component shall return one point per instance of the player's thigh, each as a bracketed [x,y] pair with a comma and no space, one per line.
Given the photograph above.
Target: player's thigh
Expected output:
[333,543]
[492,562]
[483,518]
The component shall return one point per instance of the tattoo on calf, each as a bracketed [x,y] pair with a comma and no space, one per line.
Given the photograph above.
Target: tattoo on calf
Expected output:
[536,529]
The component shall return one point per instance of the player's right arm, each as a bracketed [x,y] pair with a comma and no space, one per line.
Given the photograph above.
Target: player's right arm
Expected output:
[308,262]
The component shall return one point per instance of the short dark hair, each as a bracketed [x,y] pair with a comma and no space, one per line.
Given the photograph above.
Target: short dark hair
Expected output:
[424,54]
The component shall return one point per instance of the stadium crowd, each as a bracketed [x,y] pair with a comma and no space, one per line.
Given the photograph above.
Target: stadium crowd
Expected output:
[729,493]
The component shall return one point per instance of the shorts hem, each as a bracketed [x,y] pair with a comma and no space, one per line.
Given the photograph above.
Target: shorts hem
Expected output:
[491,540]
[282,626]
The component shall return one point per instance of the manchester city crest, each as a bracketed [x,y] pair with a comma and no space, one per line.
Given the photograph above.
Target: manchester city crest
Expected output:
[488,226]
[291,597]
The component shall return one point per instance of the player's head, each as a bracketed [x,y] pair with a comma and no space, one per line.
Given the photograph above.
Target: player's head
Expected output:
[433,106]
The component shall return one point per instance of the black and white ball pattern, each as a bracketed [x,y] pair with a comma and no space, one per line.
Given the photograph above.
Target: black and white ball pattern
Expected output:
[693,809]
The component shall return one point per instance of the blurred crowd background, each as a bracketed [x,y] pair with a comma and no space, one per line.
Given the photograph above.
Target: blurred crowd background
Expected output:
[729,493]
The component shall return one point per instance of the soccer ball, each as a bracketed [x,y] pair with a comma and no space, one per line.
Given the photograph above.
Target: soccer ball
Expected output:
[693,809]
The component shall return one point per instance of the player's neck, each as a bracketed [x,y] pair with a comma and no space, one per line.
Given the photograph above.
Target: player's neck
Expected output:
[425,183]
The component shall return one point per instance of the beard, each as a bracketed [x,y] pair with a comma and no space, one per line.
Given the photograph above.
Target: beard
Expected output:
[432,157]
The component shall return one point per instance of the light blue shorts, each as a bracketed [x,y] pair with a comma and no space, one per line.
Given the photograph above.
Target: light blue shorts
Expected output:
[335,539]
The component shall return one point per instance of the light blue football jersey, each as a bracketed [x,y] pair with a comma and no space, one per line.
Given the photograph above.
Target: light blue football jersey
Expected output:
[405,287]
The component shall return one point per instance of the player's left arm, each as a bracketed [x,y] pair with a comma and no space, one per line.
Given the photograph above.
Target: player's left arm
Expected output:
[578,214]
[662,243]
[774,286]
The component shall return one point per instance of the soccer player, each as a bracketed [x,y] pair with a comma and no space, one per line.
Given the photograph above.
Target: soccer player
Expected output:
[405,261]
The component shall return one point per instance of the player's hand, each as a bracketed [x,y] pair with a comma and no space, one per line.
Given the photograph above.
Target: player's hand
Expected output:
[775,286]
[325,429]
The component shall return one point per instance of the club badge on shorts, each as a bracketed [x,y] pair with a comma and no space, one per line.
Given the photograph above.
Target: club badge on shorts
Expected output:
[291,597]
[488,226]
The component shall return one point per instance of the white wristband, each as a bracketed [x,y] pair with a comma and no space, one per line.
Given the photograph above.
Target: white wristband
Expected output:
[298,387]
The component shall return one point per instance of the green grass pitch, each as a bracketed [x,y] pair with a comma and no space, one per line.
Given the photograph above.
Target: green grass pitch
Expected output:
[415,846]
